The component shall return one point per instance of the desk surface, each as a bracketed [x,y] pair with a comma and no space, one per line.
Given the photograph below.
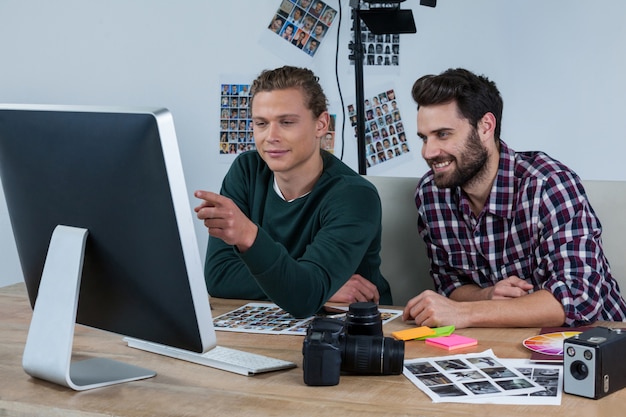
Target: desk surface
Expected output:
[185,389]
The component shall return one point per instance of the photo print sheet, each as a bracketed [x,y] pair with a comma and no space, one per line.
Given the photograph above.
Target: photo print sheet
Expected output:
[549,376]
[467,378]
[385,138]
[303,23]
[271,319]
[235,122]
[379,50]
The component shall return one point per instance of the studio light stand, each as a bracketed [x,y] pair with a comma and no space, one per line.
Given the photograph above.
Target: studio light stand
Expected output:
[380,18]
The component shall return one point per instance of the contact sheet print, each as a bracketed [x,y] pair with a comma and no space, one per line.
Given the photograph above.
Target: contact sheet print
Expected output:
[379,50]
[484,378]
[271,319]
[303,23]
[236,134]
[385,138]
[549,376]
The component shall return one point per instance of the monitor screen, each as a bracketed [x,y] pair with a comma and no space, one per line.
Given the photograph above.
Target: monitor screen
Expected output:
[116,173]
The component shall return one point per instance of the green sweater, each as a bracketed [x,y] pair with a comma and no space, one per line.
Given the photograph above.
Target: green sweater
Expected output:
[306,249]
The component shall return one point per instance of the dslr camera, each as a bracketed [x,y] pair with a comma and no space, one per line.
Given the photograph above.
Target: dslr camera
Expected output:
[593,363]
[355,346]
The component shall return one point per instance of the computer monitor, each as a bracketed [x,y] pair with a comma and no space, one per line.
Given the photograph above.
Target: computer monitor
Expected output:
[104,232]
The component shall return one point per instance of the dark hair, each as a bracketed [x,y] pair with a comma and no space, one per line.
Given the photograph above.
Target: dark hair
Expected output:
[475,95]
[292,77]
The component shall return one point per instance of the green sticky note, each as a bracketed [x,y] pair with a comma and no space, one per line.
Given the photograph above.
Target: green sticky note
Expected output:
[439,331]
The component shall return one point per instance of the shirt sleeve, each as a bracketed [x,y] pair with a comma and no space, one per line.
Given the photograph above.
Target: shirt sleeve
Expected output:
[571,262]
[445,278]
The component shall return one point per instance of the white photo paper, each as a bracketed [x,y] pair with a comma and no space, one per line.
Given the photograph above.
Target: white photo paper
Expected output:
[468,377]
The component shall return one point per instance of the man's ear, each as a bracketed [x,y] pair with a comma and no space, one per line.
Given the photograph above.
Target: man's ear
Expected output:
[322,123]
[487,126]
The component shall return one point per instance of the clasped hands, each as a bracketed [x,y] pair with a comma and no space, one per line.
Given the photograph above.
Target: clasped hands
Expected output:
[432,309]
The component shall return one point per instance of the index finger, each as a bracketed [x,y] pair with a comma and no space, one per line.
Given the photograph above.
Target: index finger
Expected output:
[208,196]
[406,313]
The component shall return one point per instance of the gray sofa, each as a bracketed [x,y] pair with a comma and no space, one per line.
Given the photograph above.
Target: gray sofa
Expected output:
[404,260]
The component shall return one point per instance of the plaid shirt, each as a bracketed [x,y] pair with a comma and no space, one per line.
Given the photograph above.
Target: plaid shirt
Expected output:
[537,224]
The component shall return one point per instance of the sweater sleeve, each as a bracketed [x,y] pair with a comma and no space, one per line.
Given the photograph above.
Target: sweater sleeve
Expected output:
[336,234]
[350,219]
[226,275]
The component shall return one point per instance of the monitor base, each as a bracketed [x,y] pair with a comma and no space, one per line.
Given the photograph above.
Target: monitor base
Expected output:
[48,350]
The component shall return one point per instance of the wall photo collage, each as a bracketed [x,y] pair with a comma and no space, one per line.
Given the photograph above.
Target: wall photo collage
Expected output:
[303,23]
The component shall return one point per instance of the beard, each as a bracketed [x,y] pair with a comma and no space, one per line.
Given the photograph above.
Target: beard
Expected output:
[470,169]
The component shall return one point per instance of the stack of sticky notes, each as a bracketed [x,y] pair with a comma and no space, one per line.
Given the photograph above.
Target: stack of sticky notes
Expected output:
[440,337]
[414,333]
[452,342]
[422,333]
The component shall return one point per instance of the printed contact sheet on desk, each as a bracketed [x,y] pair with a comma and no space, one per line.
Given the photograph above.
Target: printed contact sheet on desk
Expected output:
[271,319]
[484,378]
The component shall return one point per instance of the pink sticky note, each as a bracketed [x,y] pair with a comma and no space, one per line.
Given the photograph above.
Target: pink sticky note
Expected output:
[452,342]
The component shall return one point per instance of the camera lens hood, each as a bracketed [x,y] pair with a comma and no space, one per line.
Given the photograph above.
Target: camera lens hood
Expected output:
[363,318]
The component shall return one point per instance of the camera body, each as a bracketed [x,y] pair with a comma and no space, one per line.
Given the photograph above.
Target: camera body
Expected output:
[356,346]
[593,363]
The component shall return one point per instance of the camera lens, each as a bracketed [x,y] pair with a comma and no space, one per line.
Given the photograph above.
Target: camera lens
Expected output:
[372,355]
[363,318]
[579,370]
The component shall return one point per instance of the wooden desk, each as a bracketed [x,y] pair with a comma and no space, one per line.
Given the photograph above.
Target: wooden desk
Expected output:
[185,389]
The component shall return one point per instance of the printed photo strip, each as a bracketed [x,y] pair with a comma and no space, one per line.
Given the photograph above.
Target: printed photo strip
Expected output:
[380,50]
[303,23]
[328,141]
[385,138]
[235,122]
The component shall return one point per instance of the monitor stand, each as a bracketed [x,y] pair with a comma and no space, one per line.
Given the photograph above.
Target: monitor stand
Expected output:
[48,350]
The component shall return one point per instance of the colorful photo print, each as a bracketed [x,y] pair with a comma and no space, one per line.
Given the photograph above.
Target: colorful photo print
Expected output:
[385,138]
[328,141]
[303,23]
[380,50]
[258,318]
[235,122]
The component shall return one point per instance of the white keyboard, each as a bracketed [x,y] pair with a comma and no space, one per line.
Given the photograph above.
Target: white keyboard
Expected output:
[220,357]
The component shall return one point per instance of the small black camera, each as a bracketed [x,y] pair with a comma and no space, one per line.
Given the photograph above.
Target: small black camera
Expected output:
[354,346]
[593,363]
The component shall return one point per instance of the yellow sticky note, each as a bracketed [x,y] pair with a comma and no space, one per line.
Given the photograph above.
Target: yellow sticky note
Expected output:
[414,333]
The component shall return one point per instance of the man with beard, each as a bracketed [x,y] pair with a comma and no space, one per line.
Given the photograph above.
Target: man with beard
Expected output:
[511,237]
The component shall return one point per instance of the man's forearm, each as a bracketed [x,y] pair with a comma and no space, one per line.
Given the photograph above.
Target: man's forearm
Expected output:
[539,309]
[469,292]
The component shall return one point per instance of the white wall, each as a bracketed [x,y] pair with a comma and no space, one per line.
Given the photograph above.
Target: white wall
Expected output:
[558,63]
